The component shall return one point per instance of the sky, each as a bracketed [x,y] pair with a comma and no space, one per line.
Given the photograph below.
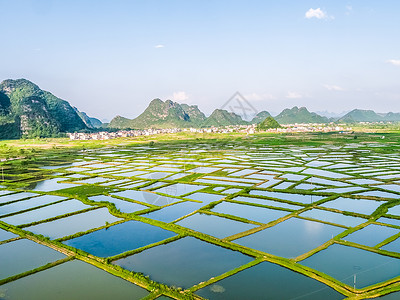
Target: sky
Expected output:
[112,58]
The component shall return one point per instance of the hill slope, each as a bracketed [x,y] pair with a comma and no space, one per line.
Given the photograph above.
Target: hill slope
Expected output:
[221,117]
[160,114]
[360,115]
[196,116]
[30,108]
[299,115]
[261,116]
[268,123]
[89,122]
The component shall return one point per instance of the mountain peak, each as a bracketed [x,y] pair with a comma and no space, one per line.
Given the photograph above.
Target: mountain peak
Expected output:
[9,85]
[170,114]
[27,101]
[158,114]
[156,101]
[261,116]
[221,117]
[299,115]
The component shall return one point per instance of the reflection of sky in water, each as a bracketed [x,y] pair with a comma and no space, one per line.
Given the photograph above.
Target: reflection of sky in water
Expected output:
[313,228]
[52,185]
[290,238]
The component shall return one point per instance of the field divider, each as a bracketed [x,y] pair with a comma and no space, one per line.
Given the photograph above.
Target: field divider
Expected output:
[226,274]
[36,270]
[58,217]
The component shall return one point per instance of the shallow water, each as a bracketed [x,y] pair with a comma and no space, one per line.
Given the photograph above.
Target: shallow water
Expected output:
[74,224]
[332,217]
[371,235]
[361,206]
[24,255]
[242,168]
[119,238]
[395,210]
[393,246]
[52,185]
[227,182]
[215,226]
[379,194]
[185,262]
[305,199]
[6,235]
[205,197]
[290,238]
[391,221]
[147,197]
[46,212]
[342,263]
[253,213]
[121,205]
[268,202]
[62,283]
[15,197]
[28,204]
[173,212]
[267,280]
[324,173]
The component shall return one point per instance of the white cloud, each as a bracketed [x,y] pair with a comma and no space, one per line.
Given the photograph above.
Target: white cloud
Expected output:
[331,87]
[259,97]
[349,8]
[394,62]
[316,13]
[159,46]
[293,95]
[179,97]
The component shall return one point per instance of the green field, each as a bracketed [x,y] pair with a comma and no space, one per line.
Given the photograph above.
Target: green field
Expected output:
[192,216]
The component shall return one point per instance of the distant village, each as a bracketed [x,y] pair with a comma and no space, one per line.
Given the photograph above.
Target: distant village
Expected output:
[248,129]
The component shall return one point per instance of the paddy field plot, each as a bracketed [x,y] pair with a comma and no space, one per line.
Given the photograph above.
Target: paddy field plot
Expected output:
[220,221]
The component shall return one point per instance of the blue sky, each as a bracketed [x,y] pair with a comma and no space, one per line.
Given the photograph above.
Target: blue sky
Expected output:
[112,57]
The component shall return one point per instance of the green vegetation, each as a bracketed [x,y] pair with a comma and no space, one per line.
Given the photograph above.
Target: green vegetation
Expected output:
[268,123]
[89,122]
[31,272]
[299,115]
[28,111]
[262,162]
[170,114]
[359,115]
[261,116]
[161,114]
[220,117]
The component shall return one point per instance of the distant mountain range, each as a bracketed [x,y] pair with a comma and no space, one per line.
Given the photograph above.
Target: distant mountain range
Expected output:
[358,115]
[28,111]
[160,114]
[169,114]
[166,114]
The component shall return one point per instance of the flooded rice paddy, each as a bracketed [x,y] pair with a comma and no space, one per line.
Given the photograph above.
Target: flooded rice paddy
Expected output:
[232,221]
